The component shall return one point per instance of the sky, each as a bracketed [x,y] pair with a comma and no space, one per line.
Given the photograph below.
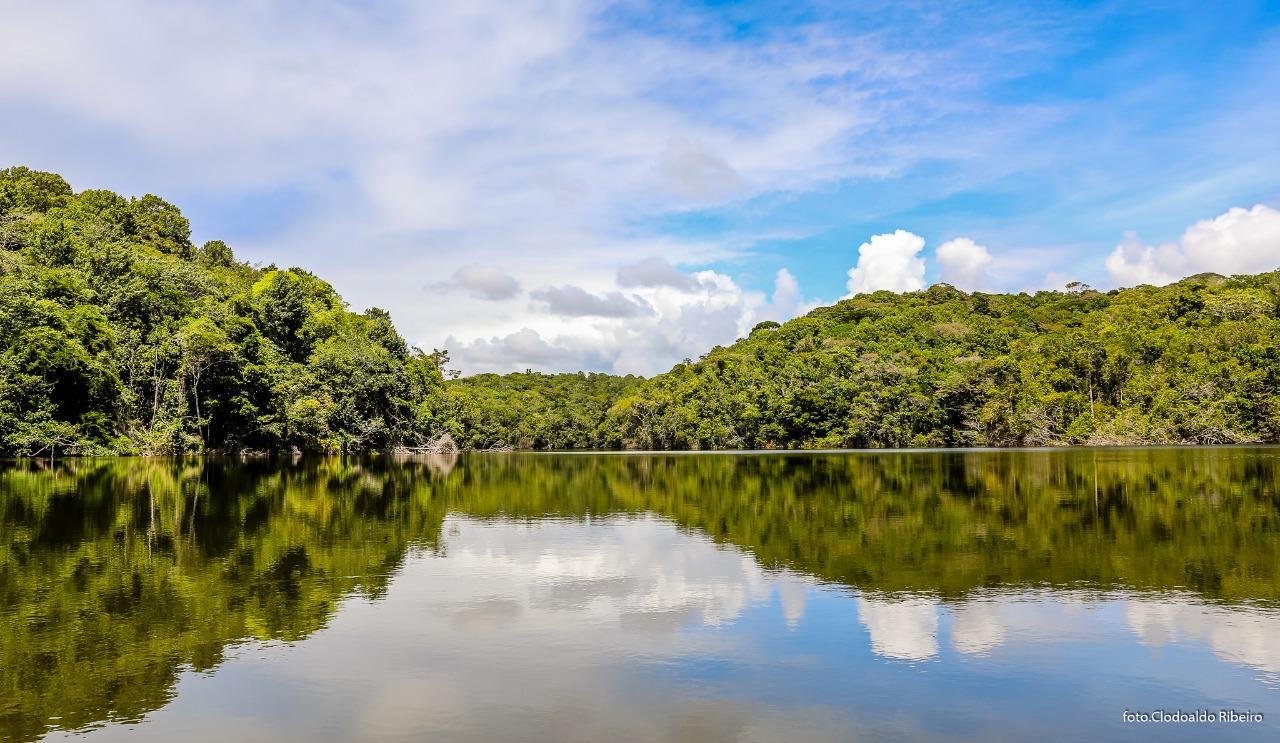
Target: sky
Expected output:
[566,185]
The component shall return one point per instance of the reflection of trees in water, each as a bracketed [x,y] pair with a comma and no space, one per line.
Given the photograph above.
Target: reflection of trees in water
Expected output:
[116,574]
[945,522]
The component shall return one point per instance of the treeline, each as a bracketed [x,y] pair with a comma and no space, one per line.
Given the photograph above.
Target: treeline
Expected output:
[531,410]
[118,335]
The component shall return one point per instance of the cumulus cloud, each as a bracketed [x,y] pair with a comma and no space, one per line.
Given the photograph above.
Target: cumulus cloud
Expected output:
[685,325]
[890,261]
[574,301]
[483,282]
[787,300]
[965,264]
[654,272]
[1237,241]
[553,139]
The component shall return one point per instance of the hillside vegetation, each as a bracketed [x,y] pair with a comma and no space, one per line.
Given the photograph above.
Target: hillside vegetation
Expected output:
[1197,362]
[119,335]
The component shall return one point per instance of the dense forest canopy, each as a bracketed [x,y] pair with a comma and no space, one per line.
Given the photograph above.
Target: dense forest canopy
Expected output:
[1196,362]
[119,335]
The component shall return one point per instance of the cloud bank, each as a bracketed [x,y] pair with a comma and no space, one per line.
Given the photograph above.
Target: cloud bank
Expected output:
[482,282]
[1235,242]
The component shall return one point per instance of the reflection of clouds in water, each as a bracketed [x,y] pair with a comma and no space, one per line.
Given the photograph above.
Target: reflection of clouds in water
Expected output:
[580,630]
[905,629]
[649,575]
[976,627]
[409,708]
[487,613]
[1236,634]
[645,572]
[792,594]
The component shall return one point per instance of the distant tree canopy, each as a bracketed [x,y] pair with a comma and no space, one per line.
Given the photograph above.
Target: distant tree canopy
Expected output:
[1197,362]
[531,410]
[118,335]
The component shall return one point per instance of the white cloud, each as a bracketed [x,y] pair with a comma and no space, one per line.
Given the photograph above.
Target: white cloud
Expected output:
[1053,281]
[890,261]
[787,300]
[1235,242]
[524,348]
[1132,263]
[574,301]
[483,282]
[697,174]
[655,271]
[411,143]
[965,264]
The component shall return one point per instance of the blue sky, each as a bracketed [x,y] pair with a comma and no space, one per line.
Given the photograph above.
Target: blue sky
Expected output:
[560,184]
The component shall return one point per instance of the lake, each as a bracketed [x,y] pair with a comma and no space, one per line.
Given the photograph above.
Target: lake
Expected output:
[933,595]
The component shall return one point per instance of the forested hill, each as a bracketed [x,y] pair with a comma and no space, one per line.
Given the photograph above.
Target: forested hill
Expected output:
[1197,362]
[118,335]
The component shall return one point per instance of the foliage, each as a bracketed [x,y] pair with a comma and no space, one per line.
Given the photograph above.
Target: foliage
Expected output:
[1197,362]
[119,336]
[118,574]
[530,410]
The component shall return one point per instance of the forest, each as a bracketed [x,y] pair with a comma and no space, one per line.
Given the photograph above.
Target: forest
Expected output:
[118,335]
[1196,362]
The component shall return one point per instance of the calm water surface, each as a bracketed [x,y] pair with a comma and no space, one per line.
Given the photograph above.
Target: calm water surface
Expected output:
[930,596]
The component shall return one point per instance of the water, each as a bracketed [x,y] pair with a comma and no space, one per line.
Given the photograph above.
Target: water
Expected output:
[988,595]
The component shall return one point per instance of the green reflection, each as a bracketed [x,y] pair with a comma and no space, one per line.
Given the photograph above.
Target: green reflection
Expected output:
[116,575]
